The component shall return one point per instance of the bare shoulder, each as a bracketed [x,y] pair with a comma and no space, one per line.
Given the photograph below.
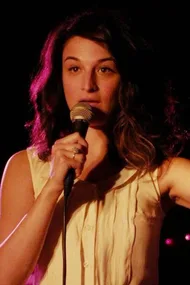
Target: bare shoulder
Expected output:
[174,179]
[17,194]
[16,174]
[173,164]
[18,157]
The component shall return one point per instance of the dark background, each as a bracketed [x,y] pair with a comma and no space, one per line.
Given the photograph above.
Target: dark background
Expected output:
[23,32]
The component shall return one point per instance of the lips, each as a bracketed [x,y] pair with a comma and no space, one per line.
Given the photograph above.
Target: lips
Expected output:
[91,102]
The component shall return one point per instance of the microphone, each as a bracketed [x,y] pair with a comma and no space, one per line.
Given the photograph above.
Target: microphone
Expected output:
[80,116]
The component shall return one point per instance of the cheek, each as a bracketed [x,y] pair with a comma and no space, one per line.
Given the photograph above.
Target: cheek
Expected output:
[111,95]
[70,91]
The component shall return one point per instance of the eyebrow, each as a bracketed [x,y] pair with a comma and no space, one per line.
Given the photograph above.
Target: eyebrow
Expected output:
[100,60]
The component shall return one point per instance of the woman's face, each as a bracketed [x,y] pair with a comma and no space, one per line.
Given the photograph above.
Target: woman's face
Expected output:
[89,74]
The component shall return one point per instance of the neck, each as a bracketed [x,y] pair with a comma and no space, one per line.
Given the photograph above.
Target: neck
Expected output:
[97,146]
[98,165]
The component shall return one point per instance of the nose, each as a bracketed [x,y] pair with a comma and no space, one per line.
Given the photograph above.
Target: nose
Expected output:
[89,82]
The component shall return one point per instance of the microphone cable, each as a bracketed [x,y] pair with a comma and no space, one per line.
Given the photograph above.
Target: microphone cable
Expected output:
[68,183]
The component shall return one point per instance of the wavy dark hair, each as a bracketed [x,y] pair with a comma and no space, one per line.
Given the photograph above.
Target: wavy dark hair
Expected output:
[141,135]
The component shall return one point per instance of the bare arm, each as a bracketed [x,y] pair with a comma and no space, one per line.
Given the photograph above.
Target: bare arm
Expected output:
[21,244]
[25,221]
[175,179]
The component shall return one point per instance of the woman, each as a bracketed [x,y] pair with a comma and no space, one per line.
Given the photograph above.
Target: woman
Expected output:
[125,171]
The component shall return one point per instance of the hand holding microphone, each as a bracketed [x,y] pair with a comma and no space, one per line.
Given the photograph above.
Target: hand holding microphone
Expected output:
[69,153]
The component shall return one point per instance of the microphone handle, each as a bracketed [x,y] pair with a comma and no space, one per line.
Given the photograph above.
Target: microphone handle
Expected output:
[68,182]
[81,126]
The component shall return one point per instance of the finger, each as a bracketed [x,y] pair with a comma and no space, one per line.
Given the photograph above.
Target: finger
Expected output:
[79,157]
[74,148]
[77,162]
[73,156]
[72,138]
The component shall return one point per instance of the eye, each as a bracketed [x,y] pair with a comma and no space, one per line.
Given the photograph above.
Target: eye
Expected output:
[73,69]
[105,69]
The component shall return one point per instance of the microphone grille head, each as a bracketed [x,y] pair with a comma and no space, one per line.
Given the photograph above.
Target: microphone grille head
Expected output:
[81,111]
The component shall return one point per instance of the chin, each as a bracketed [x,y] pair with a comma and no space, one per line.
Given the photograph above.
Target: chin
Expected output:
[98,123]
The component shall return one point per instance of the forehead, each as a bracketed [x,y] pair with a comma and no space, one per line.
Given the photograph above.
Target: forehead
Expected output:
[84,48]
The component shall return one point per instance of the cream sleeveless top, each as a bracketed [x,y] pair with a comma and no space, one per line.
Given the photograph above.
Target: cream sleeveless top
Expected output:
[113,231]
